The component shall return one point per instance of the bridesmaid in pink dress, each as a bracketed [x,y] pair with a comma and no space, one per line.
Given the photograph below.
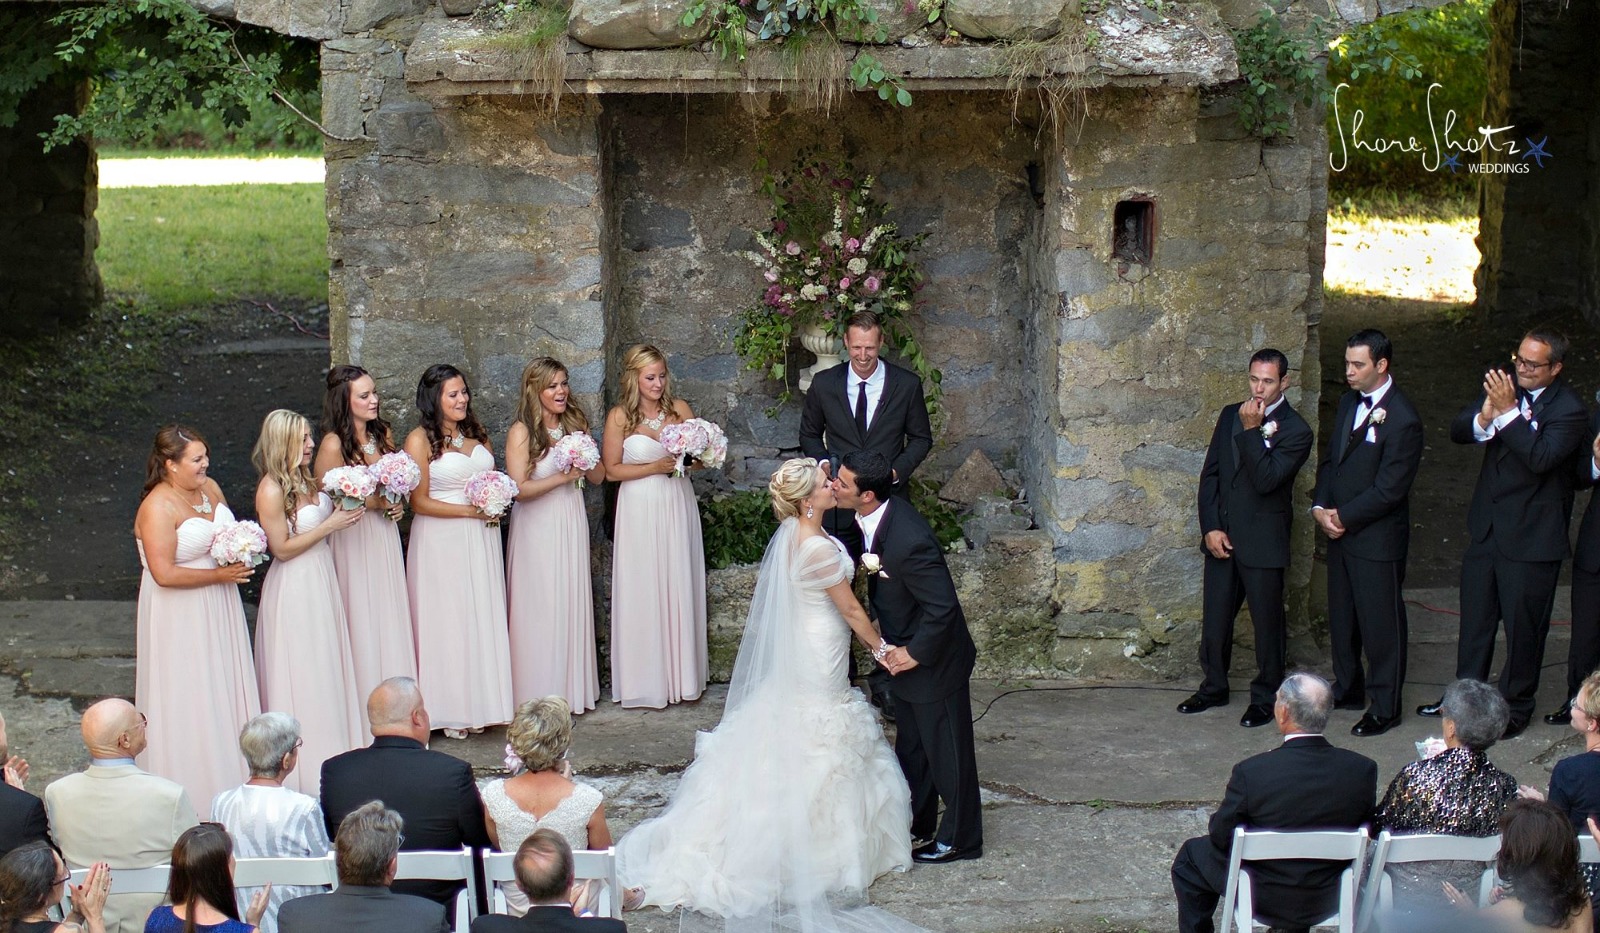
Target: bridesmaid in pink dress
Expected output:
[371,568]
[658,574]
[454,570]
[302,641]
[548,591]
[194,679]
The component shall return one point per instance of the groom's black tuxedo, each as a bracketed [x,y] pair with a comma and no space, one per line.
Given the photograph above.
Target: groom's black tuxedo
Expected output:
[917,607]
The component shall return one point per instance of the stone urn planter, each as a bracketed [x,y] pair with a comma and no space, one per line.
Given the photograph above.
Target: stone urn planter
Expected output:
[828,348]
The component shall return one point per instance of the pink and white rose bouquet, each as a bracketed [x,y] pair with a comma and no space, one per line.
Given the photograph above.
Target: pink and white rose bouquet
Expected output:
[239,543]
[397,475]
[576,451]
[491,492]
[349,486]
[697,438]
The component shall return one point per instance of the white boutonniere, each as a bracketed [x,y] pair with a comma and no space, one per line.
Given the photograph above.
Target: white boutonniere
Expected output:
[1269,429]
[1378,415]
[872,563]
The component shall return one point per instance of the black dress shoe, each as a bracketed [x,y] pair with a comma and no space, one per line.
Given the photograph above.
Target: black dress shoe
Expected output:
[1255,716]
[1514,728]
[1561,717]
[1371,725]
[937,853]
[1431,709]
[1199,704]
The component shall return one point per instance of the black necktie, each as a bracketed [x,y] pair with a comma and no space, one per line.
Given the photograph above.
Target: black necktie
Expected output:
[861,408]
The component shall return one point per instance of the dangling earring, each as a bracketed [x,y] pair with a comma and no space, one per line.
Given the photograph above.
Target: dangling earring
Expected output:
[809,511]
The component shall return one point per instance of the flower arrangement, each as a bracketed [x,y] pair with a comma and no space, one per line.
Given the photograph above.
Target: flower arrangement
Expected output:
[491,492]
[239,543]
[697,438]
[575,452]
[397,476]
[349,486]
[829,252]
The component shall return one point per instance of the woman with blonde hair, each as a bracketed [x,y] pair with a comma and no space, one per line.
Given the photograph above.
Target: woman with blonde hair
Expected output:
[727,844]
[302,642]
[549,599]
[658,574]
[194,675]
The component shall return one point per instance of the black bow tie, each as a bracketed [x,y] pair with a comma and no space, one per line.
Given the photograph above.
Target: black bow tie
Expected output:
[1369,400]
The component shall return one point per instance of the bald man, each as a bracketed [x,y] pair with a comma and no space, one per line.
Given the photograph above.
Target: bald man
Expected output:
[114,812]
[433,792]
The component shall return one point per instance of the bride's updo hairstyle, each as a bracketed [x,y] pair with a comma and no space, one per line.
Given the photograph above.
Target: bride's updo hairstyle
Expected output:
[791,485]
[541,732]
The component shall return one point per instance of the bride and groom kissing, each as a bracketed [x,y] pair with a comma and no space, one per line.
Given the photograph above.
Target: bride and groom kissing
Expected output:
[795,799]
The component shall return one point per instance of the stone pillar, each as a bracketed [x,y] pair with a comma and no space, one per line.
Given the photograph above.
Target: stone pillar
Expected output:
[1136,359]
[47,228]
[1540,230]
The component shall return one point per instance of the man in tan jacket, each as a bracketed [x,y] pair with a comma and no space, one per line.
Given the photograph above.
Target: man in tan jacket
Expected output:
[116,813]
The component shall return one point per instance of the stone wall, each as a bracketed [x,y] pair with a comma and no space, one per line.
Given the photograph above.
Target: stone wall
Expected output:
[48,233]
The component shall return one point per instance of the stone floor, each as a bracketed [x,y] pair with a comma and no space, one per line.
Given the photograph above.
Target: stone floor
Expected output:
[1088,788]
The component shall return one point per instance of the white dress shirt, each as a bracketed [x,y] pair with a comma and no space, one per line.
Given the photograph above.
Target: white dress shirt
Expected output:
[1524,409]
[852,388]
[869,524]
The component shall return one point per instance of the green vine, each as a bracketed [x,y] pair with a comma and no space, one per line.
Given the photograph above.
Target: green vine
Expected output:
[1280,70]
[790,20]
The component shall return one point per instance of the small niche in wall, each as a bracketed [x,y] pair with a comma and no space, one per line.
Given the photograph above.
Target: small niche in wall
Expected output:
[1133,231]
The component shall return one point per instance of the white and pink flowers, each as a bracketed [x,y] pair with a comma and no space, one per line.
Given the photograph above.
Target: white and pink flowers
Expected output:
[491,492]
[349,486]
[239,543]
[576,451]
[397,475]
[1378,415]
[697,438]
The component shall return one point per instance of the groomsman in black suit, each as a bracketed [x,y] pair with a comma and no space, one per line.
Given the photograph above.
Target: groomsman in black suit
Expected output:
[1256,449]
[931,658]
[1583,655]
[1530,428]
[1363,504]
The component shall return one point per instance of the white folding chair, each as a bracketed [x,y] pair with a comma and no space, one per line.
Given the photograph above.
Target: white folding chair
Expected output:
[598,865]
[1588,850]
[1378,894]
[1238,901]
[151,880]
[255,872]
[444,866]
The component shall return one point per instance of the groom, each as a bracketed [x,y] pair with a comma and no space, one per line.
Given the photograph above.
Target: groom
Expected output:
[916,605]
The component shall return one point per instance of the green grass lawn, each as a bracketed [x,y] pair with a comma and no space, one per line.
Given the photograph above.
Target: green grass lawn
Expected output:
[175,248]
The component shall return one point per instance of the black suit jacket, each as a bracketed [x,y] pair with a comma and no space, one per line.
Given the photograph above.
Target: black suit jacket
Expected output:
[1523,499]
[1247,480]
[917,607]
[1305,783]
[547,920]
[898,429]
[1370,483]
[359,909]
[22,818]
[433,792]
[1586,555]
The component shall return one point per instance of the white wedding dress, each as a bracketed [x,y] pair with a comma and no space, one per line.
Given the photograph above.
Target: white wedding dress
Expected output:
[794,804]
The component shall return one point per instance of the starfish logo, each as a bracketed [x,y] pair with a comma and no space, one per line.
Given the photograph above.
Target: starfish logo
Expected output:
[1453,162]
[1537,152]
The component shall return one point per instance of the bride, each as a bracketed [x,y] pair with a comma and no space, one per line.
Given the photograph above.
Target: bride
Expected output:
[795,798]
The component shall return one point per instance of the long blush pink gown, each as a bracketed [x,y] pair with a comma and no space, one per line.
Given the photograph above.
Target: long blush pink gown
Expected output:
[549,597]
[456,577]
[303,653]
[193,677]
[372,582]
[658,587]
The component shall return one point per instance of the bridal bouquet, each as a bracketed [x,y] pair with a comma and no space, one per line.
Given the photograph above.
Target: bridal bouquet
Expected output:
[239,543]
[576,452]
[397,475]
[697,438]
[491,492]
[349,486]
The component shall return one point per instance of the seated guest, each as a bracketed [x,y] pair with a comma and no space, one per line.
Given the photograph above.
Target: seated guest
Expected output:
[115,812]
[1538,866]
[200,887]
[266,819]
[22,816]
[545,877]
[367,850]
[1575,781]
[31,880]
[544,796]
[1456,792]
[1303,784]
